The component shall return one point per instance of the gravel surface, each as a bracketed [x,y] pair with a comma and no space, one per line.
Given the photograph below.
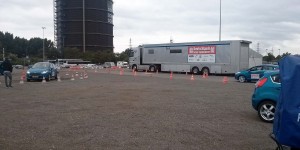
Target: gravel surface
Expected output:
[127,111]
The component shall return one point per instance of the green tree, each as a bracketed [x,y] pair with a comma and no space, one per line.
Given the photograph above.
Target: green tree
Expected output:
[72,53]
[269,58]
[285,54]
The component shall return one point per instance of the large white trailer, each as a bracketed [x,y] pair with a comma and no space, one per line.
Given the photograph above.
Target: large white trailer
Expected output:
[217,57]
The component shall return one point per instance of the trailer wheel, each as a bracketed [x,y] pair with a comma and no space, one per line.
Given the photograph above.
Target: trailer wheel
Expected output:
[205,71]
[152,69]
[195,70]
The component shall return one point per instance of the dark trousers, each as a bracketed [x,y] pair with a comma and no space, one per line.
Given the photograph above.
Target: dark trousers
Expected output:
[7,74]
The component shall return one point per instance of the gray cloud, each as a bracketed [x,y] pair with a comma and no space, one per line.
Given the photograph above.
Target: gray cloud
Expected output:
[272,23]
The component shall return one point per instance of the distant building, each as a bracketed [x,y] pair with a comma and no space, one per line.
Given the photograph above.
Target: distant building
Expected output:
[84,24]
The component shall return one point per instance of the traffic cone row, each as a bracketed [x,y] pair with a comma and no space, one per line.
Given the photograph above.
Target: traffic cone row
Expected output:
[134,73]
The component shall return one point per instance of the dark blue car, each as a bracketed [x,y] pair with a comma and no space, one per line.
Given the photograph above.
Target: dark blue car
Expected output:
[254,73]
[266,95]
[42,70]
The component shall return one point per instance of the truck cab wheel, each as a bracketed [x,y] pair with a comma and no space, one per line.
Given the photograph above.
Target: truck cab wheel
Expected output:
[134,68]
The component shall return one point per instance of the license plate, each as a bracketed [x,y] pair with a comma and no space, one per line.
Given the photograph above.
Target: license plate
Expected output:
[35,76]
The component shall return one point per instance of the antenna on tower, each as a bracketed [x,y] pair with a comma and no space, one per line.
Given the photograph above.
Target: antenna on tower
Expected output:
[130,44]
[258,50]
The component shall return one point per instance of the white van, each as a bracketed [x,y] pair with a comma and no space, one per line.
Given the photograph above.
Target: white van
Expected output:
[108,64]
[122,64]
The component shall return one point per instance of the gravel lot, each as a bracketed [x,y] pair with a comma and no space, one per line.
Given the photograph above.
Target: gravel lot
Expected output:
[146,111]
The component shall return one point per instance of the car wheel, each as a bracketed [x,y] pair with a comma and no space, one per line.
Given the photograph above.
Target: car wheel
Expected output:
[266,111]
[28,80]
[195,70]
[242,79]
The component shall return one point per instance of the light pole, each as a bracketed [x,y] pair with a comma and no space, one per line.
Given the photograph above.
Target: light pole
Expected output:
[43,44]
[220,21]
[3,54]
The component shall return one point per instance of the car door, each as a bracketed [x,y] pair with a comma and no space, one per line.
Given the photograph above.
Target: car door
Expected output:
[256,73]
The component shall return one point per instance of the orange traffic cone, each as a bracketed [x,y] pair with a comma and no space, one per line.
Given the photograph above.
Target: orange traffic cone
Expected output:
[192,77]
[72,78]
[22,77]
[58,78]
[86,75]
[22,80]
[44,80]
[225,80]
[81,76]
[204,75]
[171,75]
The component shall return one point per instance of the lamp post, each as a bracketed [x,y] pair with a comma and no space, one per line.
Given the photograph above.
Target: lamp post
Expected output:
[220,21]
[43,44]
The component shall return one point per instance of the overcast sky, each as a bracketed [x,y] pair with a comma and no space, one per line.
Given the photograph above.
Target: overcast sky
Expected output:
[275,24]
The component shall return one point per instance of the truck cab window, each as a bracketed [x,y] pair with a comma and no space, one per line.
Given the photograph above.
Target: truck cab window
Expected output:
[131,53]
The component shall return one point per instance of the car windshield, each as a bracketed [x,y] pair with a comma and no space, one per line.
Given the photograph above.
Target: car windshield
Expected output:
[40,65]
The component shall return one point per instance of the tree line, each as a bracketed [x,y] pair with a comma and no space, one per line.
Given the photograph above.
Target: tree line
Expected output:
[271,58]
[23,51]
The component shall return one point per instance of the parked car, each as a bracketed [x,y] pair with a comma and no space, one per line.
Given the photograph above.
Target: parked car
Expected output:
[42,70]
[266,95]
[19,66]
[254,73]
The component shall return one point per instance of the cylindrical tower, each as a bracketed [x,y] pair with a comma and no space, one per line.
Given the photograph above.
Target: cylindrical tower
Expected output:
[85,24]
